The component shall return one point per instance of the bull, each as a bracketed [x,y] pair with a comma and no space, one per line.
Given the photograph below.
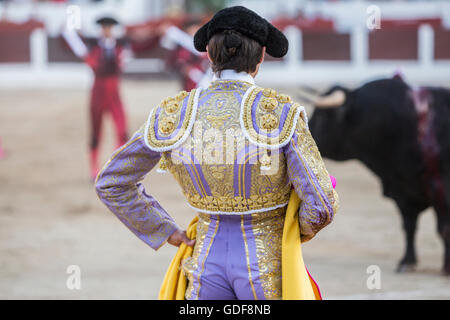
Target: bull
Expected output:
[402,134]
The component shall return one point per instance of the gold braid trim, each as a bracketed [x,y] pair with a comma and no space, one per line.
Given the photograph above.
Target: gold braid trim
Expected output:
[240,204]
[168,121]
[268,117]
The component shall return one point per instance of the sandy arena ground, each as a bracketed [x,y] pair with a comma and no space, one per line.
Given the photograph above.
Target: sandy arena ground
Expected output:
[50,217]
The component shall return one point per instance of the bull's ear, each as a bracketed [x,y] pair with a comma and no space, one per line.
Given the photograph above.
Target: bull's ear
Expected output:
[333,100]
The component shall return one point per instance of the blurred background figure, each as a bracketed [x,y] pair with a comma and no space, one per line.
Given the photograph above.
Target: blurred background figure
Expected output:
[174,35]
[190,65]
[106,59]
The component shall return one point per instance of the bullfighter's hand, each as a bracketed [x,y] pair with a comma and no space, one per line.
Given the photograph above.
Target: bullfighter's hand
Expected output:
[178,237]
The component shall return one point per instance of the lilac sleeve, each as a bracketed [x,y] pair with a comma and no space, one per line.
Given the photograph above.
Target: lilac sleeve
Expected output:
[118,187]
[311,181]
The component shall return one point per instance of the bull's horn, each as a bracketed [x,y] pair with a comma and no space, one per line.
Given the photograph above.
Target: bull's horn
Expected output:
[333,100]
[309,90]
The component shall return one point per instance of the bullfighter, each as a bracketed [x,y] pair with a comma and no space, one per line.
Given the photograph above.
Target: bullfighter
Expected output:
[236,150]
[106,59]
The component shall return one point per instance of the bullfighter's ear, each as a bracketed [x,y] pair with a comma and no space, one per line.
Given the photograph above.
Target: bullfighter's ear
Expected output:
[333,100]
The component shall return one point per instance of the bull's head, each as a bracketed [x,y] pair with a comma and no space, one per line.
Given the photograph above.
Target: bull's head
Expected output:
[358,123]
[329,124]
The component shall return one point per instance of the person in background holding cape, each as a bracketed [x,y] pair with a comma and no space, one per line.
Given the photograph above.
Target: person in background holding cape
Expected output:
[191,65]
[106,59]
[246,163]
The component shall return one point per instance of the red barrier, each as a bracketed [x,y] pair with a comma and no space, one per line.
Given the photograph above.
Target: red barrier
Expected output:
[15,40]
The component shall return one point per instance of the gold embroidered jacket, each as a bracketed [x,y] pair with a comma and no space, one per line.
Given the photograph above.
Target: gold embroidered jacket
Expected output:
[234,148]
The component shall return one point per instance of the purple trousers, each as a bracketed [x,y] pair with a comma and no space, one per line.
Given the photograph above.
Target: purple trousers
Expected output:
[236,257]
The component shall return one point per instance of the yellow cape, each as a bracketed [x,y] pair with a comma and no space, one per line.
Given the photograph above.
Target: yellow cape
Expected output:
[297,284]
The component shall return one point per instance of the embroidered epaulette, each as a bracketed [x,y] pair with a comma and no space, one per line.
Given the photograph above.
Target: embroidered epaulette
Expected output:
[171,122]
[269,119]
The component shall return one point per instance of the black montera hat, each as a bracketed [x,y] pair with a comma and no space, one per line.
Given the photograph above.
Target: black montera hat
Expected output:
[246,22]
[107,21]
